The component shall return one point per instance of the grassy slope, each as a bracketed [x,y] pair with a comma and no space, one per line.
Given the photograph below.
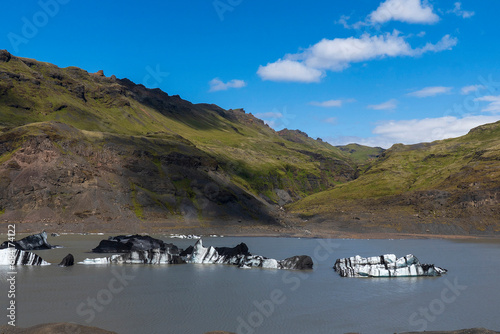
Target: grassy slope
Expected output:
[254,155]
[361,154]
[459,166]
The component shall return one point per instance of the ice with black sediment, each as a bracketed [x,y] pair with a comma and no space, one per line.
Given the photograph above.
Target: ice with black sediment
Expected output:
[12,256]
[240,256]
[385,266]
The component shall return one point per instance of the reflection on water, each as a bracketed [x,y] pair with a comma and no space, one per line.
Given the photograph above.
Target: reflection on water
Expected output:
[200,298]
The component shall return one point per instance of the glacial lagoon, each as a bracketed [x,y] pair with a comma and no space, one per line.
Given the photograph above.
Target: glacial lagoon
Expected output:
[196,298]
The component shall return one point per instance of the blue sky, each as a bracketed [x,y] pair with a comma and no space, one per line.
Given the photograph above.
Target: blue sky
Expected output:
[371,72]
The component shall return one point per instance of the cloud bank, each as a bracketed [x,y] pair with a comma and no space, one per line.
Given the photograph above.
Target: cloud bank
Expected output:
[416,131]
[339,53]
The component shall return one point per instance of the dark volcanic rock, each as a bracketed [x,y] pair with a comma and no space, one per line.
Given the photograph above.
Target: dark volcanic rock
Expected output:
[241,249]
[462,331]
[108,246]
[301,262]
[31,242]
[127,243]
[54,328]
[187,251]
[5,56]
[68,261]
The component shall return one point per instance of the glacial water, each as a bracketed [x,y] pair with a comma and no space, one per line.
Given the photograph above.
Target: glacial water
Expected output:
[200,298]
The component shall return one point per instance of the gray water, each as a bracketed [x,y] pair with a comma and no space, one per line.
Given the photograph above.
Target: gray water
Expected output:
[200,298]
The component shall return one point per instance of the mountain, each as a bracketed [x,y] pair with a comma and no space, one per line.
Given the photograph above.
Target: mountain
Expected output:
[450,187]
[83,151]
[361,154]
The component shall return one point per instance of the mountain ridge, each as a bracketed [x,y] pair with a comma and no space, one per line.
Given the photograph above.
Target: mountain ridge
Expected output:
[81,151]
[169,162]
[449,186]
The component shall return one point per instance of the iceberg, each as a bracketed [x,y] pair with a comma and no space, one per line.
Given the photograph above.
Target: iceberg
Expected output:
[240,257]
[31,242]
[151,256]
[385,266]
[12,257]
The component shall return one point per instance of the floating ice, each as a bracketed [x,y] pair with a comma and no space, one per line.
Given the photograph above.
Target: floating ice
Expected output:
[11,256]
[385,266]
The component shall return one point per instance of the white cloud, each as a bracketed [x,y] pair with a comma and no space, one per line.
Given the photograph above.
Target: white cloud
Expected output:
[417,130]
[271,114]
[217,84]
[430,91]
[289,70]
[343,21]
[339,53]
[429,129]
[446,43]
[472,88]
[409,11]
[331,120]
[388,105]
[494,103]
[330,103]
[370,141]
[457,10]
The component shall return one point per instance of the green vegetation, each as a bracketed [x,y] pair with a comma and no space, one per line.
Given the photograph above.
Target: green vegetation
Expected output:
[138,210]
[175,141]
[454,165]
[361,154]
[164,153]
[255,156]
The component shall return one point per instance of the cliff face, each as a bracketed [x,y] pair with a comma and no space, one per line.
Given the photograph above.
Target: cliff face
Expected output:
[89,152]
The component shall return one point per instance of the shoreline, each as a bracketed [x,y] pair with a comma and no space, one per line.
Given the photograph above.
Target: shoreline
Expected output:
[82,329]
[264,231]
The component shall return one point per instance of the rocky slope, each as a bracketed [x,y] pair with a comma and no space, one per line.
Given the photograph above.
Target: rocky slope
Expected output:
[86,152]
[444,187]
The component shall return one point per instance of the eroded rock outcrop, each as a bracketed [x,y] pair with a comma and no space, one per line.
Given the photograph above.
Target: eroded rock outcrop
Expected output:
[11,256]
[385,266]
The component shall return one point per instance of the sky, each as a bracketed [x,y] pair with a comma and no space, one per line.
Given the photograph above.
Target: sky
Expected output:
[373,72]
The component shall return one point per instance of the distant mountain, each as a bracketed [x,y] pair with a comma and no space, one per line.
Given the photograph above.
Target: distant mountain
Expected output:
[83,151]
[450,186]
[361,154]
